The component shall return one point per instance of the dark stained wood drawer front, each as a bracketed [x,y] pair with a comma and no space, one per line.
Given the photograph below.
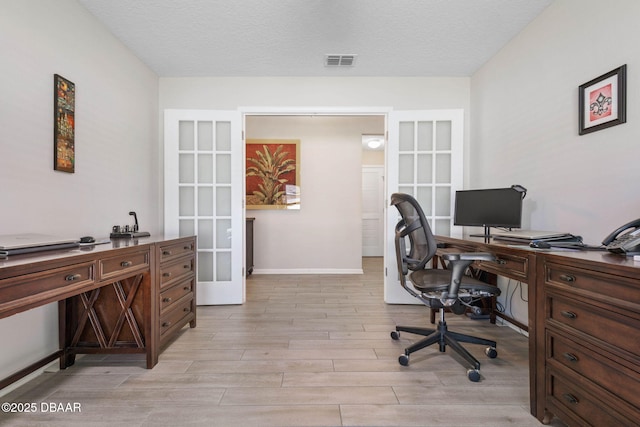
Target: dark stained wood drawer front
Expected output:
[594,283]
[176,250]
[174,272]
[122,265]
[563,353]
[586,404]
[508,264]
[174,294]
[177,317]
[38,288]
[610,327]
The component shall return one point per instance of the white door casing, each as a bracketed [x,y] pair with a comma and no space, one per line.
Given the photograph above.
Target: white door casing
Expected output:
[373,211]
[203,196]
[424,158]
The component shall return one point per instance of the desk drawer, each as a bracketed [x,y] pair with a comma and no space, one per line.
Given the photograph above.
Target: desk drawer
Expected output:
[50,285]
[173,272]
[177,317]
[605,325]
[564,353]
[508,265]
[624,289]
[109,268]
[587,404]
[175,250]
[172,295]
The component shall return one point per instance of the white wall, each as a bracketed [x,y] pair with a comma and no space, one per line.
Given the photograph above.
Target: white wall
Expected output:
[325,235]
[116,143]
[300,93]
[524,120]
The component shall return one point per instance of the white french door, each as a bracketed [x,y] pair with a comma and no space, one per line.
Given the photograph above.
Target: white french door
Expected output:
[203,193]
[424,159]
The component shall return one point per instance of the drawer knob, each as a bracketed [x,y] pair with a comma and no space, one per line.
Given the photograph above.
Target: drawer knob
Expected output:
[570,357]
[187,288]
[568,314]
[186,309]
[166,253]
[166,299]
[187,248]
[166,324]
[73,277]
[501,261]
[126,264]
[167,274]
[570,398]
[186,266]
[567,278]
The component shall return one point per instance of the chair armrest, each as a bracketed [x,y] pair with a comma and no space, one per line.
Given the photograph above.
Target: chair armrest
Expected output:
[469,256]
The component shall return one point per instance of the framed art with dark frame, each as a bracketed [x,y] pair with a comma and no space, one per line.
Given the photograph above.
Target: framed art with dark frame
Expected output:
[603,101]
[64,110]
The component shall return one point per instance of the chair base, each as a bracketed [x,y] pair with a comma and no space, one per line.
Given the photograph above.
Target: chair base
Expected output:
[443,337]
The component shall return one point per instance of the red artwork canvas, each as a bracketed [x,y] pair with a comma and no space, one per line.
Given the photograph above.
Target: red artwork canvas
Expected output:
[272,174]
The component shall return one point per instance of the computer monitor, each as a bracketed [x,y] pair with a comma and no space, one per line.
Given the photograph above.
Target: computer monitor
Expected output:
[497,207]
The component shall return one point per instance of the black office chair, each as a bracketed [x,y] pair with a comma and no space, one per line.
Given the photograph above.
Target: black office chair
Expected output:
[437,288]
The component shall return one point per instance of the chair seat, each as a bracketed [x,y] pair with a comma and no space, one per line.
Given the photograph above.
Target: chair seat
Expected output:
[438,280]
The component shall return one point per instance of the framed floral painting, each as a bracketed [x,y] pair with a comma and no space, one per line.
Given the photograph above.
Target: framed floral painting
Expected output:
[272,174]
[64,110]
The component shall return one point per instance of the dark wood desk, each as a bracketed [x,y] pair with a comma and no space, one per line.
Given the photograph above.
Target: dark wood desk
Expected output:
[584,329]
[128,296]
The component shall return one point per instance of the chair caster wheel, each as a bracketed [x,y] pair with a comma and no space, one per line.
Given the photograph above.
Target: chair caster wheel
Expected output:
[395,335]
[403,360]
[491,352]
[473,375]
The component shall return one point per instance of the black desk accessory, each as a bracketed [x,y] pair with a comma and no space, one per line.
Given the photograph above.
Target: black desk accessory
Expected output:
[128,231]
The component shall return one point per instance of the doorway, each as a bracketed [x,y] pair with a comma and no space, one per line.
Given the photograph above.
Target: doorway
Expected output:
[326,235]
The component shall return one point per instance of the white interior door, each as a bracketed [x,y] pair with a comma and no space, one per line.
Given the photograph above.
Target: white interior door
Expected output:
[424,159]
[372,210]
[203,196]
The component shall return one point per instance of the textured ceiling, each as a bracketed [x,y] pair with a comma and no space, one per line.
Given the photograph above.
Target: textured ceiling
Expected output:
[179,38]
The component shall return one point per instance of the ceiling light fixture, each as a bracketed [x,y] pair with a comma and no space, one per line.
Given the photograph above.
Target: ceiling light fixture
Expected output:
[373,141]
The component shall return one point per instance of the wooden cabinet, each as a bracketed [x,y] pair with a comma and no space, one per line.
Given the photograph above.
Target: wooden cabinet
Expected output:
[177,286]
[131,296]
[591,343]
[249,247]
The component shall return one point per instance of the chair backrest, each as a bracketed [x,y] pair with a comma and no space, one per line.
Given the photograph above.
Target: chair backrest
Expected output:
[415,226]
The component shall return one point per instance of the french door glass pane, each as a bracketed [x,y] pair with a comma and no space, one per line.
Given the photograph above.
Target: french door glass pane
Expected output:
[186,135]
[205,169]
[205,136]
[187,227]
[425,169]
[406,169]
[425,136]
[223,201]
[187,200]
[223,168]
[443,136]
[424,197]
[443,201]
[205,234]
[205,201]
[406,136]
[223,136]
[205,266]
[223,263]
[443,168]
[186,174]
[223,234]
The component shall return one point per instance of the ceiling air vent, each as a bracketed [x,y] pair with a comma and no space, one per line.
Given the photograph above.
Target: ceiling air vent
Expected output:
[339,60]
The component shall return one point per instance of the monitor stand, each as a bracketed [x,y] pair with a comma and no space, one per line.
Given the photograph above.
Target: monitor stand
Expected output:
[486,235]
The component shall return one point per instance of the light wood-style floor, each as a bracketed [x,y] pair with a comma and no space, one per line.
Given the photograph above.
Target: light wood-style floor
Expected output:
[303,351]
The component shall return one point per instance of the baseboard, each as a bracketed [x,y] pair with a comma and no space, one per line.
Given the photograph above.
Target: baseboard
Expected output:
[332,271]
